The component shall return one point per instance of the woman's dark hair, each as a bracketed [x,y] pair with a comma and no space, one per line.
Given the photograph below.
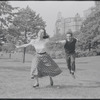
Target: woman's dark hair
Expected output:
[45,34]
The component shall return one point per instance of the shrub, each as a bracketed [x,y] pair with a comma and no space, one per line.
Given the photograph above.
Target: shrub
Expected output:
[52,54]
[87,53]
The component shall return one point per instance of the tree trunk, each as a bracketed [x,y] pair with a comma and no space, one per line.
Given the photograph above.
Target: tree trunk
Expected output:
[89,46]
[24,54]
[10,55]
[25,47]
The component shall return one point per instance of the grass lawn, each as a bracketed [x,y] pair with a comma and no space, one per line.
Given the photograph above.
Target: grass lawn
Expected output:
[15,79]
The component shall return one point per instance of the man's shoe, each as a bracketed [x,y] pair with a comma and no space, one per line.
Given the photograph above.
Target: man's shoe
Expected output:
[70,71]
[73,75]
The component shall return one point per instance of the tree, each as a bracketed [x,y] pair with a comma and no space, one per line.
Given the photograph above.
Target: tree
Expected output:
[27,21]
[90,29]
[8,47]
[2,37]
[6,13]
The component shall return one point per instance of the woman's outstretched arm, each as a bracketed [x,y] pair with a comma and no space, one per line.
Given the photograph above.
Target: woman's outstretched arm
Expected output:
[25,45]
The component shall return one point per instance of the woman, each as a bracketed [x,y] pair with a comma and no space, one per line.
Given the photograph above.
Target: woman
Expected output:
[42,63]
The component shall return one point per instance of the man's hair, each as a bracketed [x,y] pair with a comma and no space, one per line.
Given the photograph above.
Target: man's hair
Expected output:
[70,33]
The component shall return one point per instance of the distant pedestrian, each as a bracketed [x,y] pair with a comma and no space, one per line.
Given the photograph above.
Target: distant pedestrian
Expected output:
[89,46]
[42,63]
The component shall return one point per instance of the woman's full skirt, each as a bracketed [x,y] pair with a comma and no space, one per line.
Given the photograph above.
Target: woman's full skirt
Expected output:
[44,65]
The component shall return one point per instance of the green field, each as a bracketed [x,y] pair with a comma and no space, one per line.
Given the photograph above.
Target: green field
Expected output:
[15,79]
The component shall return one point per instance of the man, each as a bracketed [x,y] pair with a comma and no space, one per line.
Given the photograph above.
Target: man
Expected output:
[70,51]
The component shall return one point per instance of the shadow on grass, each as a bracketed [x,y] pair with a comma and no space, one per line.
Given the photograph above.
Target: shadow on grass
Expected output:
[65,68]
[19,68]
[5,58]
[19,60]
[84,84]
[27,68]
[80,85]
[76,62]
[82,62]
[11,60]
[92,82]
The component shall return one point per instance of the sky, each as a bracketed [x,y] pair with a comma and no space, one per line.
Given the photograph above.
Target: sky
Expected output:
[48,10]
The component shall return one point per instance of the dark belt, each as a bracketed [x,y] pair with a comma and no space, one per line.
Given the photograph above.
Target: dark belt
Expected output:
[42,53]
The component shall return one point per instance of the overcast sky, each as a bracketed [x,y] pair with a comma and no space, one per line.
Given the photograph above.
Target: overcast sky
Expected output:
[48,10]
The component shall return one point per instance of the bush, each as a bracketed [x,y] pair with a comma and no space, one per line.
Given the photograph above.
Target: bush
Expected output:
[57,54]
[8,47]
[81,54]
[0,48]
[92,53]
[52,54]
[88,53]
[96,51]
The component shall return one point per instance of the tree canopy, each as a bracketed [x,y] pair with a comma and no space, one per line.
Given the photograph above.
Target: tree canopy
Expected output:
[16,23]
[6,13]
[90,29]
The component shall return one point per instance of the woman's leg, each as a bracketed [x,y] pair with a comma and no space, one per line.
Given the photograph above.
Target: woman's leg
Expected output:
[36,81]
[51,81]
[34,71]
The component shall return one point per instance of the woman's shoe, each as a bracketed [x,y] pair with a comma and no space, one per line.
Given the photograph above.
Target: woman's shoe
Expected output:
[32,77]
[36,85]
[51,83]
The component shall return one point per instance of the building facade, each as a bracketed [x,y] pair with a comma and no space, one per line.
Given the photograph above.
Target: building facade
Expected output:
[62,25]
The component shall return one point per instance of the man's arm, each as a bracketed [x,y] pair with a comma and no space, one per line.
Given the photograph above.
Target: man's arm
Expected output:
[61,41]
[77,39]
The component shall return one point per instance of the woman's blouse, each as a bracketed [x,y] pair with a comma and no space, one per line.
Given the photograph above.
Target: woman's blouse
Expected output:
[40,46]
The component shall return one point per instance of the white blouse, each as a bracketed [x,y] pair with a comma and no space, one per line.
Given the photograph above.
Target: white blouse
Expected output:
[40,46]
